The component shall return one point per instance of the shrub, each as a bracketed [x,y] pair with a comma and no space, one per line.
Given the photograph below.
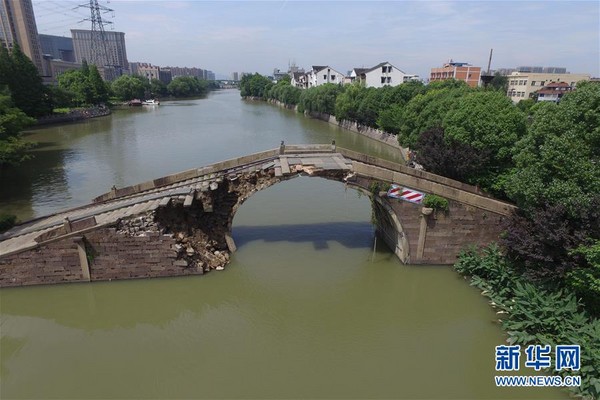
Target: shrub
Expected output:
[438,203]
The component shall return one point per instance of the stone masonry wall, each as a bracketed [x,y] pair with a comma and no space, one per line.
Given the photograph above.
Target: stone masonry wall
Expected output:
[56,262]
[115,255]
[447,233]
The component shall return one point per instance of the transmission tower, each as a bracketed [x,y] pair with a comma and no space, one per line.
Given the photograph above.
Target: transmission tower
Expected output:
[98,46]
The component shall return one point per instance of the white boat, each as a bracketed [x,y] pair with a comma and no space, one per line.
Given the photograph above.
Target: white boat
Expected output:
[152,102]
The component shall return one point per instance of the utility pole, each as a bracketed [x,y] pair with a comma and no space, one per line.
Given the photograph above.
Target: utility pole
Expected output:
[98,47]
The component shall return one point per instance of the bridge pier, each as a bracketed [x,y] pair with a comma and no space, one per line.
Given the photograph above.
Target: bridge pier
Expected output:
[390,229]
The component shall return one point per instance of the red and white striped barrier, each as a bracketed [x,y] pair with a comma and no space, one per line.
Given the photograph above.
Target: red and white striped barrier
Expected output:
[397,192]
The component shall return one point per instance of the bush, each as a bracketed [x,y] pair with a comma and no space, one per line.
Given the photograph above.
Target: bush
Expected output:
[438,203]
[377,186]
[534,314]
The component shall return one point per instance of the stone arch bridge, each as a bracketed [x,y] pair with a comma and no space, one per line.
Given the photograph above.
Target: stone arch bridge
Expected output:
[181,224]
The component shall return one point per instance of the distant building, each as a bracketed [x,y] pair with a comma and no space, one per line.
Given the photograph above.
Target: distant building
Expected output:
[235,76]
[278,75]
[145,70]
[503,71]
[58,47]
[553,91]
[522,84]
[115,60]
[165,76]
[17,25]
[185,71]
[299,80]
[383,74]
[58,67]
[542,70]
[320,75]
[459,71]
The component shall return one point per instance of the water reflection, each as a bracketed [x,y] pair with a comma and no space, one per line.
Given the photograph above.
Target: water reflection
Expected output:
[316,234]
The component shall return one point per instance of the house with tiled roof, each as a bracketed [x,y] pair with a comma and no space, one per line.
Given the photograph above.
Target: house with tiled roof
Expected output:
[553,91]
[383,74]
[322,74]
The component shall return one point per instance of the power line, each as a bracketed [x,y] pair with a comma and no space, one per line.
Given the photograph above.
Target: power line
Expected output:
[99,53]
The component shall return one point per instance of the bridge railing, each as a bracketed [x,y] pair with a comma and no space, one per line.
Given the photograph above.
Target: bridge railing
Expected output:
[189,174]
[367,159]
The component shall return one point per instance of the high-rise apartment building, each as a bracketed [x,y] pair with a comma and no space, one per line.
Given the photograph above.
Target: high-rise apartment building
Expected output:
[58,47]
[116,53]
[459,71]
[17,25]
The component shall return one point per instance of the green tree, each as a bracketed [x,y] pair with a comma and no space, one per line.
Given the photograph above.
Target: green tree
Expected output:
[394,100]
[450,157]
[6,67]
[61,97]
[558,161]
[187,86]
[128,87]
[586,279]
[487,121]
[428,110]
[348,102]
[320,98]
[158,88]
[76,83]
[24,82]
[255,85]
[499,82]
[12,121]
[98,88]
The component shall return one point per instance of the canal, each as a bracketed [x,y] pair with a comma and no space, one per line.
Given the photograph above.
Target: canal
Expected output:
[306,309]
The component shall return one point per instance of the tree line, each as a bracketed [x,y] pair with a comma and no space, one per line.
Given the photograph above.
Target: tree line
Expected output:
[544,157]
[24,97]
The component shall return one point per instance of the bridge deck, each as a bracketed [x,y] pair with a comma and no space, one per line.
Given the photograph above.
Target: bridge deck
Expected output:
[121,203]
[108,212]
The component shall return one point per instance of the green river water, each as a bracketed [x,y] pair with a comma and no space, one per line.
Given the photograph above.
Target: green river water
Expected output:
[306,309]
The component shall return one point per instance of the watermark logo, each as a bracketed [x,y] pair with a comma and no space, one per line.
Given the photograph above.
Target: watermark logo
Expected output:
[568,357]
[538,357]
[507,358]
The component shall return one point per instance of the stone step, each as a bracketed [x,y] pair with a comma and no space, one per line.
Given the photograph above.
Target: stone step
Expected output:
[285,168]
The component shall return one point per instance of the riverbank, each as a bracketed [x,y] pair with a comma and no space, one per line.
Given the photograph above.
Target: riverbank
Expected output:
[74,116]
[372,133]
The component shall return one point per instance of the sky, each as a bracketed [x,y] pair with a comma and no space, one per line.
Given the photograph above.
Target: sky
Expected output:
[414,36]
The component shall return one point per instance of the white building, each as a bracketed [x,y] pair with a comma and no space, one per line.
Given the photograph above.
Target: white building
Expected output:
[298,80]
[320,75]
[383,74]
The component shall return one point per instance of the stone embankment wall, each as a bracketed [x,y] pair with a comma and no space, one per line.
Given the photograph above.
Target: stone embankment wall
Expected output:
[74,115]
[375,134]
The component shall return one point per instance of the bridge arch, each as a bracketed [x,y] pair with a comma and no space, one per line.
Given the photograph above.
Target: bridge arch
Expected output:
[181,224]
